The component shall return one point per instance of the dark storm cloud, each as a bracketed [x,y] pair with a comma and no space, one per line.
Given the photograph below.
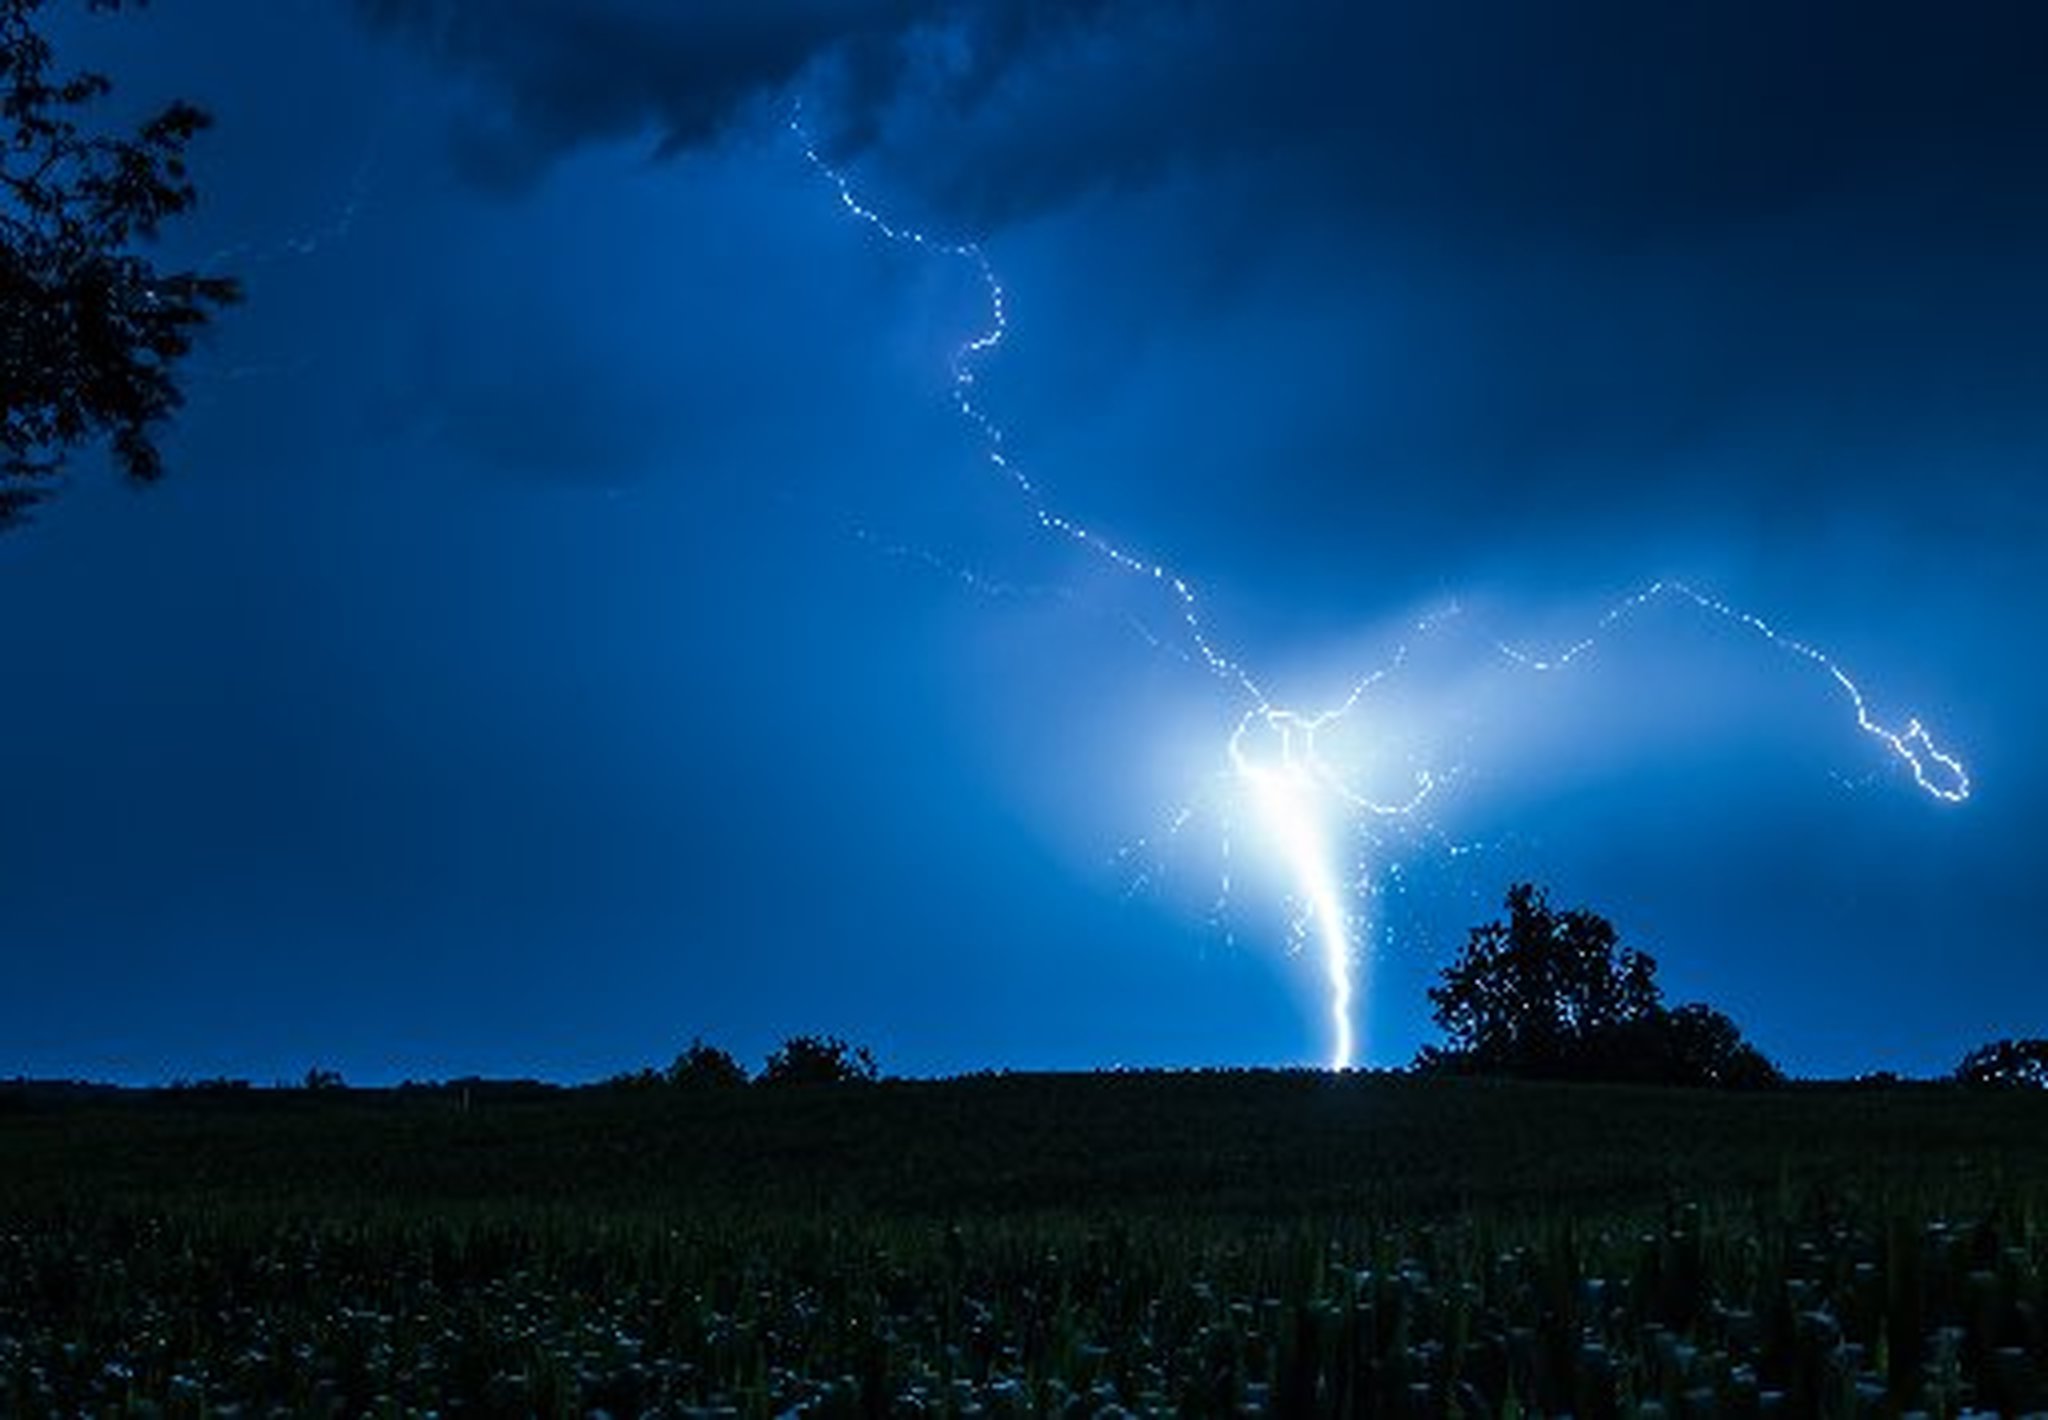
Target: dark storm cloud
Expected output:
[1594,114]
[559,73]
[1621,239]
[1594,110]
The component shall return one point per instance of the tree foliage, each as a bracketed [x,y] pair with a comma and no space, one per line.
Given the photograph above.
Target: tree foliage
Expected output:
[818,1060]
[1529,989]
[1553,994]
[706,1067]
[91,330]
[2007,1063]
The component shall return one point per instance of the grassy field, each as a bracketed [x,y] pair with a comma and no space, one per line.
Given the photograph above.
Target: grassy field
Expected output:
[1185,1244]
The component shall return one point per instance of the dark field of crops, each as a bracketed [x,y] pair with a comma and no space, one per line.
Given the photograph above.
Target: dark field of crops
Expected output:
[1185,1244]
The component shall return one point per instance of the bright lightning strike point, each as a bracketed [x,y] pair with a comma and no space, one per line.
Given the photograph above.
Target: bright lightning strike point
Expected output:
[1289,804]
[1293,803]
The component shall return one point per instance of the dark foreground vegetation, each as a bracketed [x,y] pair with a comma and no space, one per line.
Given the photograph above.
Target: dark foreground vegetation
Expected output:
[1197,1244]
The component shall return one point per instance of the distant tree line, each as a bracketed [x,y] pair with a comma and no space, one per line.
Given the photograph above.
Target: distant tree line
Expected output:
[799,1060]
[1546,994]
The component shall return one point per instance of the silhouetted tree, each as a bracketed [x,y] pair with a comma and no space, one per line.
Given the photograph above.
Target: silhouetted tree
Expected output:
[1525,992]
[2007,1063]
[1553,994]
[318,1079]
[818,1060]
[706,1067]
[91,331]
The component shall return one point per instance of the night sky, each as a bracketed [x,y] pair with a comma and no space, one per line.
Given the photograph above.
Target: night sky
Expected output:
[577,619]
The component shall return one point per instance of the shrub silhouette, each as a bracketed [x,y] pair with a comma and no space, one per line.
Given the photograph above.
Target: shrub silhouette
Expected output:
[645,1078]
[1552,994]
[818,1060]
[2008,1064]
[706,1067]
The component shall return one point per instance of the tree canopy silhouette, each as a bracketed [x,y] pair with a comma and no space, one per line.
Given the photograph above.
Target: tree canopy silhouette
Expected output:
[1553,994]
[706,1067]
[91,330]
[818,1060]
[2009,1063]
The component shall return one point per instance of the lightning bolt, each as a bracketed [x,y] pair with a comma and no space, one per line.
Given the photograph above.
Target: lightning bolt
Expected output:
[1294,788]
[1938,772]
[1286,797]
[1275,754]
[965,363]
